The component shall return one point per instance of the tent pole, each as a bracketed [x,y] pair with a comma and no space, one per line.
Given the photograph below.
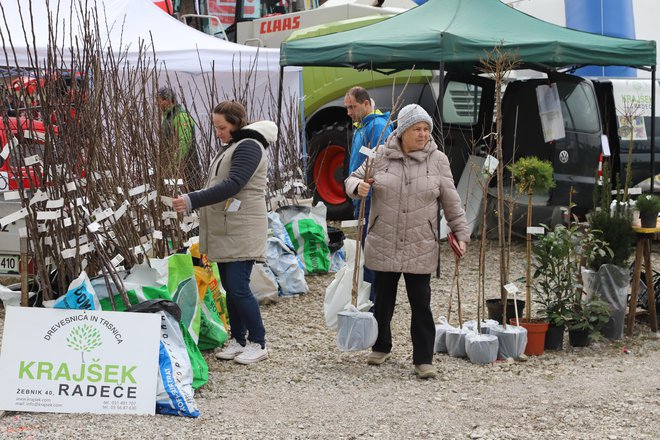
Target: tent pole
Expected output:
[280,91]
[441,98]
[652,127]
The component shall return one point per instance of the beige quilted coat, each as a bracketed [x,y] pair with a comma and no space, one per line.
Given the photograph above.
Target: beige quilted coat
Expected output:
[403,223]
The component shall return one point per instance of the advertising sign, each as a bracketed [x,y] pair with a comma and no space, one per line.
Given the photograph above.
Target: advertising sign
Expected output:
[55,360]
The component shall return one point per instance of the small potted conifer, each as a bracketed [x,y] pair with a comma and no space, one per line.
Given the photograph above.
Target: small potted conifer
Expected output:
[648,206]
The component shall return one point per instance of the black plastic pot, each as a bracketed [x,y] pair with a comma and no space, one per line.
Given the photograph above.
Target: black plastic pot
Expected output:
[554,338]
[579,338]
[495,309]
[648,219]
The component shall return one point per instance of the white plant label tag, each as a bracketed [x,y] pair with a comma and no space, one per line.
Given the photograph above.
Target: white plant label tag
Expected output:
[511,288]
[21,213]
[349,224]
[606,145]
[368,152]
[535,230]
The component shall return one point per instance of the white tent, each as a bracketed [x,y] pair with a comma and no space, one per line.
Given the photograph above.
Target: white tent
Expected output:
[135,30]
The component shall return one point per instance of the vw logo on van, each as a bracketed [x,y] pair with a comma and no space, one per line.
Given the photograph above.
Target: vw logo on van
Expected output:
[563,156]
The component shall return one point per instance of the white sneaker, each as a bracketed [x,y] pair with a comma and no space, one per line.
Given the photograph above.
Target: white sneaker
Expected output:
[230,351]
[251,354]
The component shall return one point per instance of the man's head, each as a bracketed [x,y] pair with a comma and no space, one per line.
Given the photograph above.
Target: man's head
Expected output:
[358,103]
[166,98]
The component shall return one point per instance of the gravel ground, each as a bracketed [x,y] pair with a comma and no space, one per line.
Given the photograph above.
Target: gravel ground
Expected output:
[309,389]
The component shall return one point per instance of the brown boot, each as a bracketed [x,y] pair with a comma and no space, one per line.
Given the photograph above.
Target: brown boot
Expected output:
[425,371]
[378,357]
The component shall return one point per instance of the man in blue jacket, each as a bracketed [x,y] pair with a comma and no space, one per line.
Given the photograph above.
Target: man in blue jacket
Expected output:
[372,127]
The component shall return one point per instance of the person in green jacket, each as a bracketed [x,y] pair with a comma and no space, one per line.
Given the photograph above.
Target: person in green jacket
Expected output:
[178,136]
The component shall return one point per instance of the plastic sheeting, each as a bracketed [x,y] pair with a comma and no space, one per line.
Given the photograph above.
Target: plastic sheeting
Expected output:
[356,330]
[338,295]
[481,349]
[441,335]
[456,341]
[285,265]
[512,341]
[485,325]
[613,286]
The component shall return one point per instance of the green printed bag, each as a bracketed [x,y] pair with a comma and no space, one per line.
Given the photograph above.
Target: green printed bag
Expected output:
[308,232]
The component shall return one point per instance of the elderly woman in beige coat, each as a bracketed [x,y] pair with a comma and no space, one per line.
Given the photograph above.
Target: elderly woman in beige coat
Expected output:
[411,178]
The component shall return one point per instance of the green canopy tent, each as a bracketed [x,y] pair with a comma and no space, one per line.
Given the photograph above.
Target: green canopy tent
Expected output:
[454,35]
[457,32]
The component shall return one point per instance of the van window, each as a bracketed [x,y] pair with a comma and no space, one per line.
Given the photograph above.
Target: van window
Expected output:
[460,104]
[578,107]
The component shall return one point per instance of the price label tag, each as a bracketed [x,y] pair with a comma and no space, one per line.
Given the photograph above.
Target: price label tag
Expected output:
[349,224]
[511,288]
[535,230]
[368,152]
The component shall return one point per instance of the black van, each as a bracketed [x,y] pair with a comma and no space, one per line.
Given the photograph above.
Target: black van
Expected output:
[469,123]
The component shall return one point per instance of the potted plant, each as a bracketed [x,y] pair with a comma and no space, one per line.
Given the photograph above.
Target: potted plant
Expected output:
[558,256]
[585,321]
[532,175]
[609,270]
[648,206]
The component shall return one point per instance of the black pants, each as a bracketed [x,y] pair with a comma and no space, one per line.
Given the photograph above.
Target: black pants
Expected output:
[422,328]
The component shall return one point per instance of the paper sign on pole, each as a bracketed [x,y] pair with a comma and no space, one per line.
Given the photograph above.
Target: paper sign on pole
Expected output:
[57,360]
[552,120]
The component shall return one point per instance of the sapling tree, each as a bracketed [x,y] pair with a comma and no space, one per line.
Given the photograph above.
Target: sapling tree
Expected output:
[531,175]
[498,64]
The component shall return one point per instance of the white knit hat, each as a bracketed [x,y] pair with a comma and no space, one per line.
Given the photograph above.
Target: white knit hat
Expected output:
[411,115]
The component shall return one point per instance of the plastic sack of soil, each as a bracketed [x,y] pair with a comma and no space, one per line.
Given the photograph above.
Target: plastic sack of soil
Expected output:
[337,260]
[512,341]
[263,284]
[481,349]
[287,268]
[79,296]
[456,341]
[307,229]
[175,394]
[485,325]
[356,330]
[441,328]
[279,231]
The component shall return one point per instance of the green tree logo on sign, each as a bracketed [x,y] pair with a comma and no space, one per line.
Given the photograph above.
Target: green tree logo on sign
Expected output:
[84,338]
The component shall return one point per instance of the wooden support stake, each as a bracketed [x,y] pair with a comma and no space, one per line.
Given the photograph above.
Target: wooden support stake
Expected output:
[23,271]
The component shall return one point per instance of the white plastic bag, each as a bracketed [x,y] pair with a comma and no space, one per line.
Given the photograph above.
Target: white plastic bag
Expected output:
[441,328]
[338,295]
[512,341]
[356,330]
[263,284]
[485,325]
[286,266]
[481,349]
[456,341]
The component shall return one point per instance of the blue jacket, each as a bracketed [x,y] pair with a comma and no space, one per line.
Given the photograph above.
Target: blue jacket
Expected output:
[374,127]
